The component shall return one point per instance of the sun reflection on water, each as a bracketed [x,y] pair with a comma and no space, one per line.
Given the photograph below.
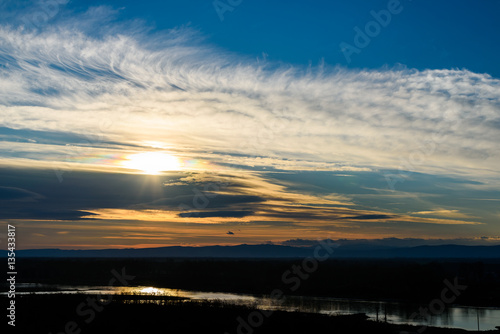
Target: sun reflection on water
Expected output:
[151,291]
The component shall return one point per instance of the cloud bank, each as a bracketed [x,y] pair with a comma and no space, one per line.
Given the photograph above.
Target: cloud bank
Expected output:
[303,151]
[135,87]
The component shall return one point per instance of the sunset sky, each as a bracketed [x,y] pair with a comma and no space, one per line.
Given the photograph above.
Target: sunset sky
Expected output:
[158,123]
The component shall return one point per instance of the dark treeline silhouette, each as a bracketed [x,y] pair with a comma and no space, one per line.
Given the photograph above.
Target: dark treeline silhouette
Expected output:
[405,280]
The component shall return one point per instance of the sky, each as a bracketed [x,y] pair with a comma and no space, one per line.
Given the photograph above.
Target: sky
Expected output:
[160,123]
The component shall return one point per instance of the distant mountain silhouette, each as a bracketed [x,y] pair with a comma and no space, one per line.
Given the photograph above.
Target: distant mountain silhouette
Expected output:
[274,251]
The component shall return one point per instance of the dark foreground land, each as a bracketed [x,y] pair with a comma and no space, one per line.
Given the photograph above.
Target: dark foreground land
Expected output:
[61,314]
[417,281]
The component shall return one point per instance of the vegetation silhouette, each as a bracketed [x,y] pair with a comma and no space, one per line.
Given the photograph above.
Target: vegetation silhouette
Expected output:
[404,280]
[53,313]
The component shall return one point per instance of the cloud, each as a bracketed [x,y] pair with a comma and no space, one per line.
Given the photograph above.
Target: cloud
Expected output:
[132,86]
[11,194]
[393,242]
[85,91]
[444,213]
[248,199]
[369,217]
[233,214]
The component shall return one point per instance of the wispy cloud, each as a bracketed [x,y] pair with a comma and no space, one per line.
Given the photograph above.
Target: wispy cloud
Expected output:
[88,89]
[444,213]
[132,86]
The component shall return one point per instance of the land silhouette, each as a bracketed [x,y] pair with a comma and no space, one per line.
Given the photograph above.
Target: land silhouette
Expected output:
[407,280]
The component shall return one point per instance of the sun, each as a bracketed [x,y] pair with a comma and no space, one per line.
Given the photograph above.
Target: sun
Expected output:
[152,162]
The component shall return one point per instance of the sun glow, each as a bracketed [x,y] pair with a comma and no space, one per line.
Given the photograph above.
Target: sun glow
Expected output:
[152,162]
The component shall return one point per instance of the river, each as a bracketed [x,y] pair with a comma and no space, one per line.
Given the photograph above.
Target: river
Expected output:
[394,312]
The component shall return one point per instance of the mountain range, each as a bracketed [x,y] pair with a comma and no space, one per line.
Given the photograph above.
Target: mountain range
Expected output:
[274,251]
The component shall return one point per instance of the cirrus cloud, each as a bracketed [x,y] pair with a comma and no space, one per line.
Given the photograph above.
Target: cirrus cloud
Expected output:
[169,87]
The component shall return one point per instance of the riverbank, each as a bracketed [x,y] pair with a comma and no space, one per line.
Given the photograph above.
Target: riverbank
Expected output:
[74,313]
[415,281]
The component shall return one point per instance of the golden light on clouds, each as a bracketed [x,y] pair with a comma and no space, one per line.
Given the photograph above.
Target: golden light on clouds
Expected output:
[152,162]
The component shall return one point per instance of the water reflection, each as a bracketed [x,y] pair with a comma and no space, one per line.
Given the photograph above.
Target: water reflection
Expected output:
[458,317]
[151,291]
